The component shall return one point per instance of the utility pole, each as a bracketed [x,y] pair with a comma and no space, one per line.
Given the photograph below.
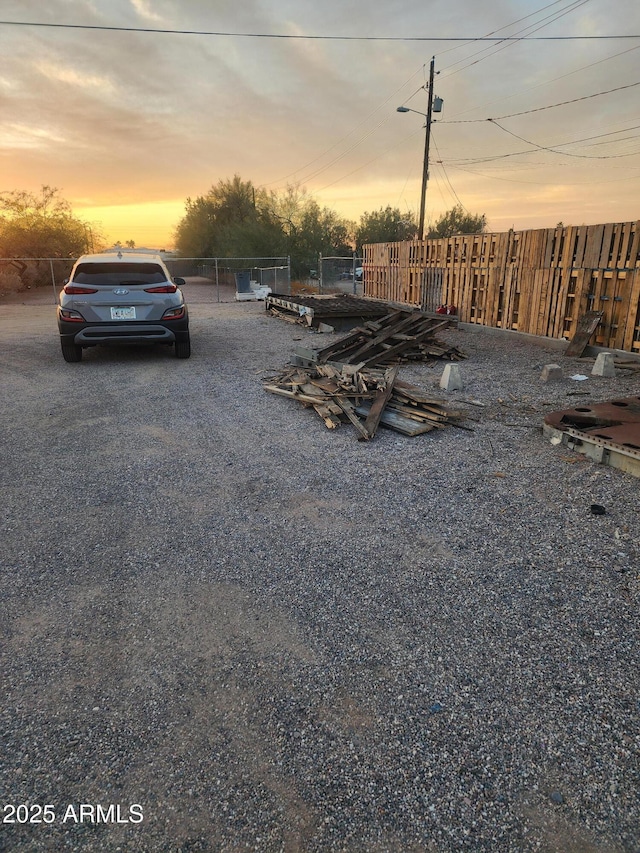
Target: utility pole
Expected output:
[427,140]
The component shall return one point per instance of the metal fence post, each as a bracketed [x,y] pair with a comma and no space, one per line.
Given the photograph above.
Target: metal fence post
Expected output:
[53,282]
[217,281]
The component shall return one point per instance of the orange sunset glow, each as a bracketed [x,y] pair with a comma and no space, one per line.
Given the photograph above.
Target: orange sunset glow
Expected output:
[130,108]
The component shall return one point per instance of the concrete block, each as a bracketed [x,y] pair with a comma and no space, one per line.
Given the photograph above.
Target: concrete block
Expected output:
[451,379]
[551,372]
[604,365]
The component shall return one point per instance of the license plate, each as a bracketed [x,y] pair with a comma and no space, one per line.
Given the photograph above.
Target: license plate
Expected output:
[123,313]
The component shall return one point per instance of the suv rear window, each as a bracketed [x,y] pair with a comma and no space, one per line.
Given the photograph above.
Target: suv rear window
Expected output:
[109,273]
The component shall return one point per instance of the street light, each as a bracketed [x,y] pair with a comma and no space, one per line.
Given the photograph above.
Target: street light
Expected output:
[435,105]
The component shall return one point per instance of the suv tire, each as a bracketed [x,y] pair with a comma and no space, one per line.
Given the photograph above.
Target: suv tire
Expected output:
[183,349]
[71,352]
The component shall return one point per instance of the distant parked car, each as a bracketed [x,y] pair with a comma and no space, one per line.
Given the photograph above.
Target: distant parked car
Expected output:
[122,298]
[359,273]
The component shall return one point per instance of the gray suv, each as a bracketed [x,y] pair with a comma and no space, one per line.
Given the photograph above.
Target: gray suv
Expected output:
[122,298]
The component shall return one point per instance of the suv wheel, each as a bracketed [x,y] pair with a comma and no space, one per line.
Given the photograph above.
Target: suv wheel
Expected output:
[183,349]
[71,352]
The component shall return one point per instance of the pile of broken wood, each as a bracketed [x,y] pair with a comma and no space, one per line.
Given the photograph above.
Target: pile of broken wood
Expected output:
[401,335]
[365,397]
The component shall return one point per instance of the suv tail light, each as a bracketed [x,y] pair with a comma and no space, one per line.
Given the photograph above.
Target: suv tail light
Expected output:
[70,316]
[174,313]
[76,289]
[161,288]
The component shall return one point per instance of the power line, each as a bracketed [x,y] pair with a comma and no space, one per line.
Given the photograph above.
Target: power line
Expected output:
[539,25]
[297,36]
[493,32]
[555,150]
[444,172]
[373,160]
[345,137]
[540,109]
[542,183]
[509,41]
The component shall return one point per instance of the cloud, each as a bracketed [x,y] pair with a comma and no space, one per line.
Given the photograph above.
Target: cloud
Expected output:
[144,10]
[133,117]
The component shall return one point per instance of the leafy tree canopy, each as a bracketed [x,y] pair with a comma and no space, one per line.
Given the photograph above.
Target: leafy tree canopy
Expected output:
[386,225]
[458,221]
[41,225]
[232,220]
[237,219]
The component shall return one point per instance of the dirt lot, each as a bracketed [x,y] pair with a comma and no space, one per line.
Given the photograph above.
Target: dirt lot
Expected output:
[226,628]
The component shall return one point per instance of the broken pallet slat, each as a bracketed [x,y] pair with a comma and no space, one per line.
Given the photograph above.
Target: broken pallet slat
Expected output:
[587,325]
[349,409]
[294,395]
[401,334]
[392,420]
[380,401]
[331,419]
[399,326]
[394,350]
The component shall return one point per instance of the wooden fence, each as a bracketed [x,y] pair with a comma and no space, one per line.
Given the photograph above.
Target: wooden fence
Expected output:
[540,282]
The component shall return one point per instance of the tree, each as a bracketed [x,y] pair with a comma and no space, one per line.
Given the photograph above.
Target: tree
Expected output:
[386,225]
[41,226]
[458,221]
[236,219]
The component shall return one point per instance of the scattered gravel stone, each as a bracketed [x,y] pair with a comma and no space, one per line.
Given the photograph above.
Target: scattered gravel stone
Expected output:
[270,636]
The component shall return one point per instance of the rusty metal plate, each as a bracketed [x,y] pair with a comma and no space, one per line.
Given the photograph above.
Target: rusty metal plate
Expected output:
[616,421]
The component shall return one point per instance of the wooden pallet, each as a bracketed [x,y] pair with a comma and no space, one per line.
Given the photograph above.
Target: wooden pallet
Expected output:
[366,398]
[398,336]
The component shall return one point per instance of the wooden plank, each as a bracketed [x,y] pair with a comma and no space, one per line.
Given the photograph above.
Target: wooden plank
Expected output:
[561,289]
[403,322]
[331,421]
[568,251]
[634,252]
[605,250]
[581,245]
[394,421]
[593,248]
[586,327]
[619,308]
[418,414]
[616,245]
[379,403]
[349,409]
[398,348]
[294,395]
[632,314]
[627,241]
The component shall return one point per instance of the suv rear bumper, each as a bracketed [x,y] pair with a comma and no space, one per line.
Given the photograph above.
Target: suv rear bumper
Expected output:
[92,334]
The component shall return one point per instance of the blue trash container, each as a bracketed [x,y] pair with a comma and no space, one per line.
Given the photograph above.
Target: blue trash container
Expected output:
[243,282]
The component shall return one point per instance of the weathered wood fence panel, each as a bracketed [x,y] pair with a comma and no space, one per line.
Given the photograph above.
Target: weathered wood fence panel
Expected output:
[540,281]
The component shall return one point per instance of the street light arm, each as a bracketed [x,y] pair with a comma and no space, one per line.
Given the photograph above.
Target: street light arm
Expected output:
[409,110]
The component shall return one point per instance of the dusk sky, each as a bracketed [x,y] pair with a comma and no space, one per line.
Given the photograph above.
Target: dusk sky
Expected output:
[129,124]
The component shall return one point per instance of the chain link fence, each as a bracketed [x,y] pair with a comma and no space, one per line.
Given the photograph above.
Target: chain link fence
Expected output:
[226,276]
[338,274]
[231,276]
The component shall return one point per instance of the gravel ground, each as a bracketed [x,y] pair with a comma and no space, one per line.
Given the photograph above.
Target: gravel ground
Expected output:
[272,637]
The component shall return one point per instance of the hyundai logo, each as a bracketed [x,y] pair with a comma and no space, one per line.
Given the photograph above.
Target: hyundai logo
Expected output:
[121,291]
